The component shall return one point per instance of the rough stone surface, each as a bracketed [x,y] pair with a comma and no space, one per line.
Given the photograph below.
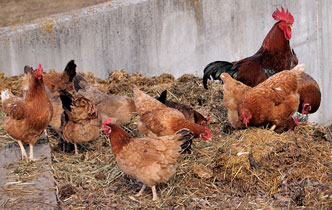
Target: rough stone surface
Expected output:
[21,191]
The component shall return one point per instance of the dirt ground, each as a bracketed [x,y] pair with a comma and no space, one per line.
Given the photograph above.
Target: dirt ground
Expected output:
[20,11]
[252,168]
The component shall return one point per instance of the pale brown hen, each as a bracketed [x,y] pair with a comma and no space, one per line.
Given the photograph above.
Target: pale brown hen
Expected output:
[27,116]
[119,108]
[151,161]
[156,119]
[80,121]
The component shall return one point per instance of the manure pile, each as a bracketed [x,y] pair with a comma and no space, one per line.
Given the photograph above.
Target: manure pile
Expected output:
[238,169]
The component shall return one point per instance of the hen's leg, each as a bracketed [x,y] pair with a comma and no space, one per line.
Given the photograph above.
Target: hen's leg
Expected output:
[31,153]
[273,127]
[141,191]
[154,193]
[76,150]
[23,152]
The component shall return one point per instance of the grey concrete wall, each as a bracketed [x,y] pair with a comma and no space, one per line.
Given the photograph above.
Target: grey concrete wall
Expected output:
[173,36]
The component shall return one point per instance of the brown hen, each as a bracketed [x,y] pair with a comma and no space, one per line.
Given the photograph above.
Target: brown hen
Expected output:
[80,121]
[27,116]
[156,119]
[274,101]
[151,161]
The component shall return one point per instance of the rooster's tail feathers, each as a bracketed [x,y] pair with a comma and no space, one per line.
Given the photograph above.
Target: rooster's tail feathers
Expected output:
[80,83]
[216,68]
[71,70]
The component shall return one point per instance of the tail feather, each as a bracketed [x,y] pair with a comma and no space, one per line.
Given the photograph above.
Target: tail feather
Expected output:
[214,69]
[80,83]
[66,99]
[163,96]
[71,70]
[185,136]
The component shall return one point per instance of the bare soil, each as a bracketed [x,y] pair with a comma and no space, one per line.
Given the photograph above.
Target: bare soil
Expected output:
[21,11]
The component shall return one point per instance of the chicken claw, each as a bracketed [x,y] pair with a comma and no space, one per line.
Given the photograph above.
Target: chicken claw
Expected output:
[141,191]
[23,152]
[154,193]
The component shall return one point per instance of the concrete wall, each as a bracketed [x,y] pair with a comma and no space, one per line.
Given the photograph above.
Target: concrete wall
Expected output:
[173,36]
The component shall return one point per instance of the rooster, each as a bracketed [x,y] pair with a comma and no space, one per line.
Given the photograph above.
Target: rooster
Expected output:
[151,161]
[27,116]
[273,101]
[156,119]
[275,55]
[80,121]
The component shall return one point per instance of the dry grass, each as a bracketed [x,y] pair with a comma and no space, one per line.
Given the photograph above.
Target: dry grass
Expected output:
[238,169]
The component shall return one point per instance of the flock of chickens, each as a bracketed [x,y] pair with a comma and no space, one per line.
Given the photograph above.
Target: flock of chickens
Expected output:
[257,91]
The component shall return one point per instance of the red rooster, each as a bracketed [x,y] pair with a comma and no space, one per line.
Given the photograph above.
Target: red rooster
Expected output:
[275,55]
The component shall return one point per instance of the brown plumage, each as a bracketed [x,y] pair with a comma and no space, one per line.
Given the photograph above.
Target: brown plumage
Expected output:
[119,108]
[156,119]
[55,100]
[233,93]
[290,124]
[274,101]
[62,81]
[80,121]
[275,55]
[27,116]
[151,161]
[188,112]
[310,95]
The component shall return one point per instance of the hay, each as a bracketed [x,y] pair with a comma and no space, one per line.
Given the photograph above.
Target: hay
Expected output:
[239,169]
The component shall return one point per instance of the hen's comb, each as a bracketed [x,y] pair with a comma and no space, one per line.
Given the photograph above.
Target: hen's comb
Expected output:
[283,15]
[38,73]
[40,69]
[107,121]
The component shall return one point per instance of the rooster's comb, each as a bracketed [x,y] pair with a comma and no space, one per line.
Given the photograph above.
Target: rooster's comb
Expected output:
[283,15]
